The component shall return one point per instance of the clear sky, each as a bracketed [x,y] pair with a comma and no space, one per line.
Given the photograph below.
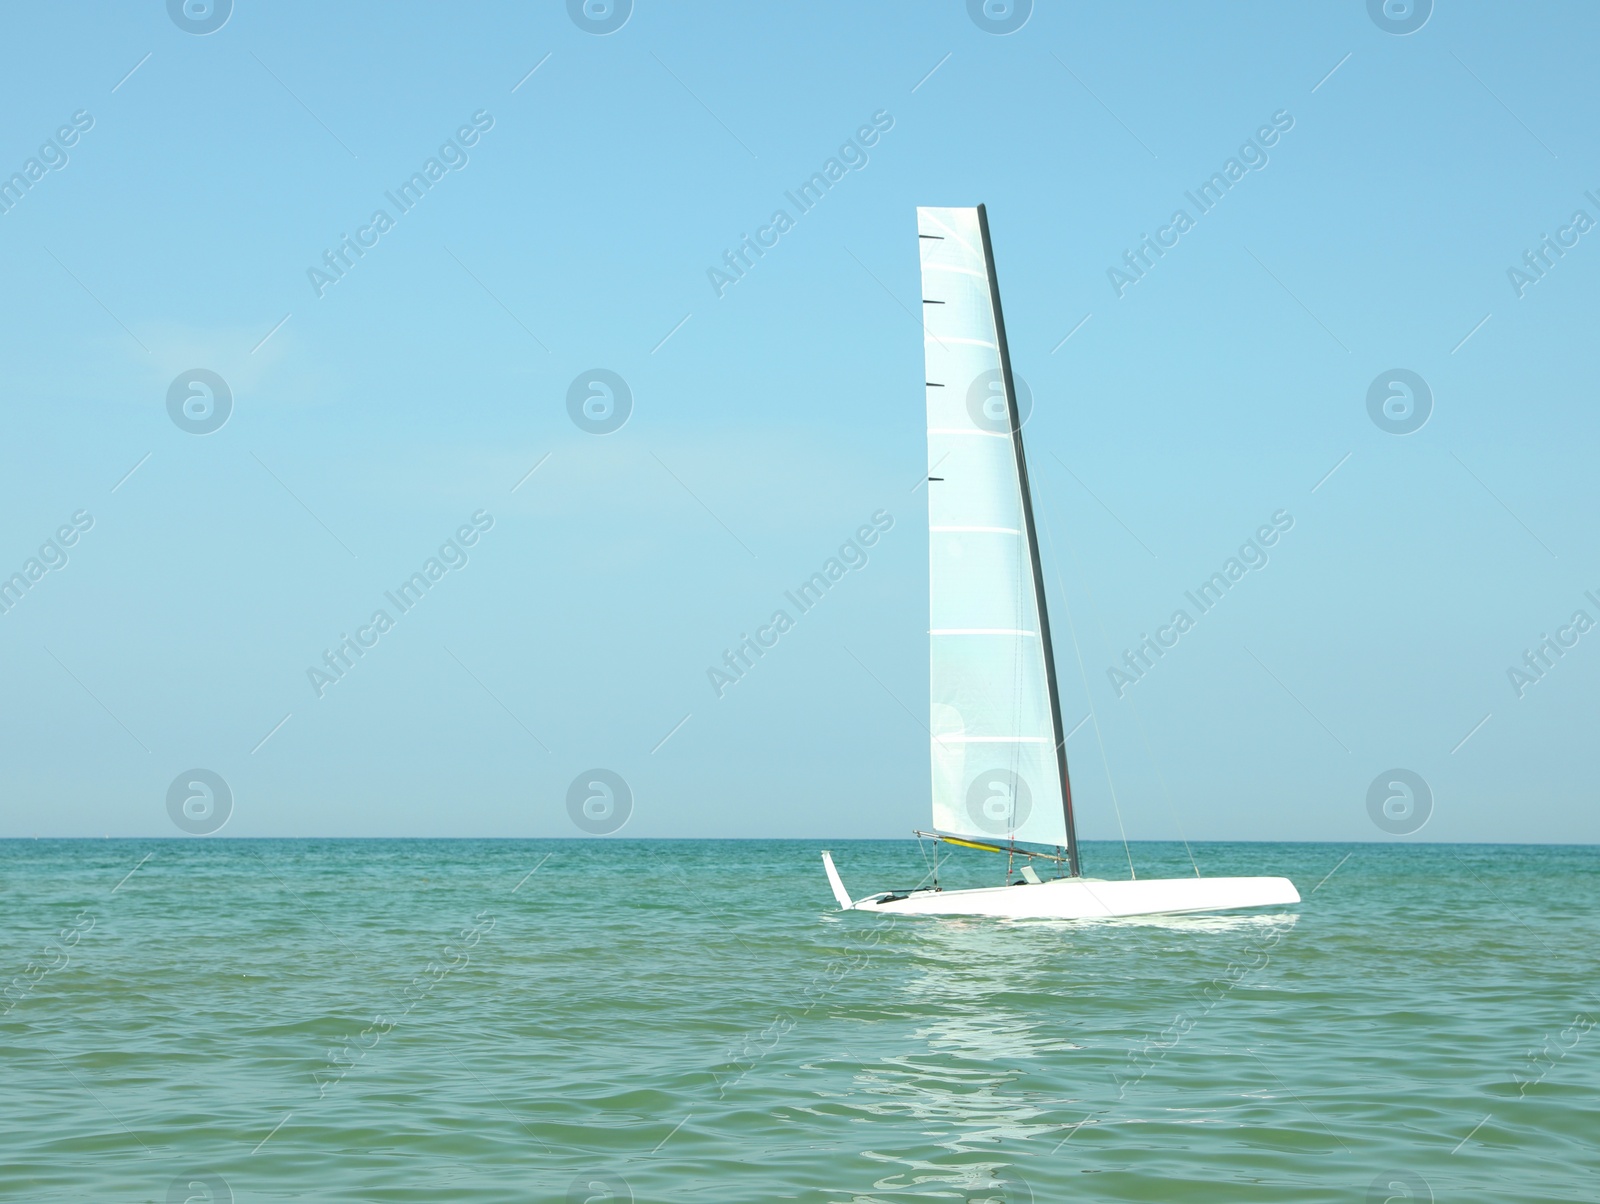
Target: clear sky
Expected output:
[192,215]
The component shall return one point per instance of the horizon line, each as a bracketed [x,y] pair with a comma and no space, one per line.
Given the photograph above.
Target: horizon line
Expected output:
[818,839]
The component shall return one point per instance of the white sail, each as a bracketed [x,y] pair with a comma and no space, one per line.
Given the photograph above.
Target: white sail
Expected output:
[997,775]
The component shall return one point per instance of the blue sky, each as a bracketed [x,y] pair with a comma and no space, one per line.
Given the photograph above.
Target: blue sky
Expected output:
[370,423]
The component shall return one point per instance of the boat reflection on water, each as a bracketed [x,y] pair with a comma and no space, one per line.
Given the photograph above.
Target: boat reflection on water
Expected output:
[989,997]
[969,1046]
[1261,922]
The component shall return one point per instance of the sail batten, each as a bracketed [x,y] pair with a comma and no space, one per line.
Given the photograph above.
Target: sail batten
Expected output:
[999,772]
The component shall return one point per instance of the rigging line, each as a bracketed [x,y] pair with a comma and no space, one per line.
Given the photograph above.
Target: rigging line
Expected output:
[933,871]
[1083,673]
[1144,734]
[1150,752]
[1160,773]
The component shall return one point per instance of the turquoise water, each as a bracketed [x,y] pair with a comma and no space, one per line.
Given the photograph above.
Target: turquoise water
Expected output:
[565,1020]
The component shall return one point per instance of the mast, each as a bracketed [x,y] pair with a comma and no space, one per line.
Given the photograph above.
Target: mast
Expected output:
[1033,545]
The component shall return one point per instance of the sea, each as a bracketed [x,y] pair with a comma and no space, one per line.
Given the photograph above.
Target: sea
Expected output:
[614,1020]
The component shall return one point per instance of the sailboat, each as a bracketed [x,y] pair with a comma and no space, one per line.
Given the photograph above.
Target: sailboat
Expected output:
[1000,780]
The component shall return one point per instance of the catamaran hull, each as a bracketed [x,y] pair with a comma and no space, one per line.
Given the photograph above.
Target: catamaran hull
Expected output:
[1081,898]
[1076,899]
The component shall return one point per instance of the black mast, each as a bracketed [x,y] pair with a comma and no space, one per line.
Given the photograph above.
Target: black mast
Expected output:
[1033,544]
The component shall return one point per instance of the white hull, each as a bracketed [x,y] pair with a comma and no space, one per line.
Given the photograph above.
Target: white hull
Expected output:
[1079,898]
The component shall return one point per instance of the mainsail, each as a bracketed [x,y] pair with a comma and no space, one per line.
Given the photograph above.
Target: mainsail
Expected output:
[999,761]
